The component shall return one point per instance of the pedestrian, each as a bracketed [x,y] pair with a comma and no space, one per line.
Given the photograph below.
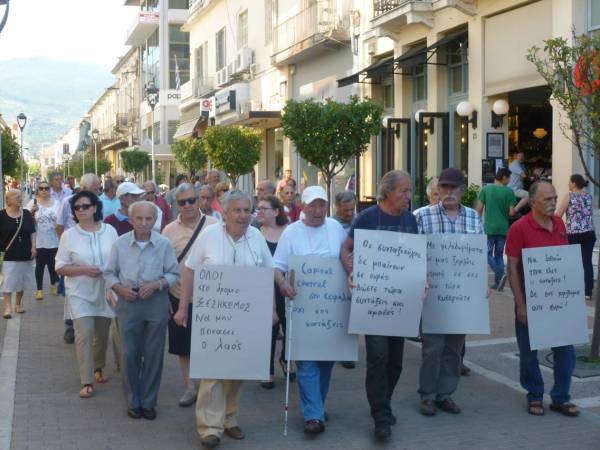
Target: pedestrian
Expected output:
[44,209]
[441,362]
[384,353]
[316,235]
[82,256]
[18,237]
[59,191]
[141,267]
[433,195]
[206,198]
[518,175]
[287,176]
[220,189]
[578,207]
[110,201]
[152,196]
[272,222]
[235,243]
[288,197]
[539,228]
[170,197]
[213,178]
[182,233]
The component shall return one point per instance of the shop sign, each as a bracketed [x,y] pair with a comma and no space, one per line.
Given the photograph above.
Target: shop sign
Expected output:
[224,101]
[207,107]
[148,17]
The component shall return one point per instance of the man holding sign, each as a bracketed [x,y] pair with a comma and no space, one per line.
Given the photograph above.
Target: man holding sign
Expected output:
[539,228]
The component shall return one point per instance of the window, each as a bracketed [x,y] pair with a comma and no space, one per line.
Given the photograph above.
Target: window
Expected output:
[458,67]
[200,55]
[149,5]
[179,56]
[594,11]
[150,60]
[220,49]
[269,21]
[420,83]
[242,28]
[178,4]
[387,93]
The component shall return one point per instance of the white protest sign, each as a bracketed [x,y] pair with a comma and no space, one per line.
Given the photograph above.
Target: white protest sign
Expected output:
[231,323]
[389,274]
[458,284]
[554,288]
[321,311]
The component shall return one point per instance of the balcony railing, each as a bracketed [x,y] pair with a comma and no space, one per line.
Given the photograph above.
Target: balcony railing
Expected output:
[203,86]
[383,6]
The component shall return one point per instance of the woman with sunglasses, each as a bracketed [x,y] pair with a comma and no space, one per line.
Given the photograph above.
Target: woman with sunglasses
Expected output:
[44,209]
[82,256]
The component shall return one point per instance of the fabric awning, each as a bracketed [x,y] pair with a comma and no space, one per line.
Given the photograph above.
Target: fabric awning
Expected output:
[378,69]
[457,36]
[412,58]
[185,129]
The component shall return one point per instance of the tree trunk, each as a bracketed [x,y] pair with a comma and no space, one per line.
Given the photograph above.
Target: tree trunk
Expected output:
[328,181]
[595,350]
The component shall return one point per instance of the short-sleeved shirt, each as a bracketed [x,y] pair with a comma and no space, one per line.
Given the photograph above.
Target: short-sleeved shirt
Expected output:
[497,201]
[45,219]
[64,216]
[20,249]
[109,205]
[516,169]
[580,213]
[435,220]
[528,233]
[374,218]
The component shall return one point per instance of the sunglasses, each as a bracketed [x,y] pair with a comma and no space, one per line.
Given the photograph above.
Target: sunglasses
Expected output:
[82,207]
[43,188]
[189,201]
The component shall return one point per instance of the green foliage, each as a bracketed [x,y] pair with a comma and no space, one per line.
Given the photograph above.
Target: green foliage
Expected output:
[34,168]
[190,153]
[10,154]
[135,160]
[328,134]
[470,196]
[76,166]
[234,150]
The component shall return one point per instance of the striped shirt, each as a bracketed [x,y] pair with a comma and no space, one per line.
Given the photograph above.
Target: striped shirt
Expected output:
[435,220]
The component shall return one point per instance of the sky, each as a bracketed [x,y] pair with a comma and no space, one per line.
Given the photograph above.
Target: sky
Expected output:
[80,30]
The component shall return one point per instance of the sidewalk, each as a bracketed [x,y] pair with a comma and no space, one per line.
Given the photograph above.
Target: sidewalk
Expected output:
[49,415]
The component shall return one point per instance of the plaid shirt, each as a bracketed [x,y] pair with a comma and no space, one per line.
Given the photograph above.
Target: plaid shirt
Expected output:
[434,220]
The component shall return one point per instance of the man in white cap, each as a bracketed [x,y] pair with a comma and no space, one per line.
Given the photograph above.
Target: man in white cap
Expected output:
[317,235]
[128,193]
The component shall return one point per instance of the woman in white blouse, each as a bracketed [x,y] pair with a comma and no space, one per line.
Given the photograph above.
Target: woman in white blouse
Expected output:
[82,255]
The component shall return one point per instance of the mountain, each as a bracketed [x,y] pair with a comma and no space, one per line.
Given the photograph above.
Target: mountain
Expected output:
[53,94]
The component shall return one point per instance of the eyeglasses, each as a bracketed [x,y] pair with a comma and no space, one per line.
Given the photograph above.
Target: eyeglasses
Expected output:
[189,201]
[150,192]
[82,207]
[43,188]
[119,181]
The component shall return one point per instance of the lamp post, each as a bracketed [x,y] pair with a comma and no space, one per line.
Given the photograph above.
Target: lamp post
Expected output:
[95,134]
[5,18]
[22,121]
[152,99]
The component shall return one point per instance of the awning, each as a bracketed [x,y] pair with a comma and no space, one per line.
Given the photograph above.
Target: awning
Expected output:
[185,129]
[412,58]
[456,36]
[378,69]
[258,119]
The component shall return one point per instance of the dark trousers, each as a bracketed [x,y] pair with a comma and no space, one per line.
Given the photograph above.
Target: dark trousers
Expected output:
[45,257]
[384,366]
[280,308]
[587,241]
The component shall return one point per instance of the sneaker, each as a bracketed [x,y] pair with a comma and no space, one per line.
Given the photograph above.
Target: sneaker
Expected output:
[313,426]
[502,283]
[188,398]
[39,295]
[53,289]
[69,336]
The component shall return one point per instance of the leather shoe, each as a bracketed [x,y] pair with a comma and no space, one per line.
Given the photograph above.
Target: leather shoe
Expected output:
[188,398]
[210,441]
[382,432]
[235,433]
[149,414]
[428,408]
[134,413]
[69,336]
[313,426]
[448,406]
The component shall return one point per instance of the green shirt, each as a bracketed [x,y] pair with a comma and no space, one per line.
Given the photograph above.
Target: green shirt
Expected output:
[497,201]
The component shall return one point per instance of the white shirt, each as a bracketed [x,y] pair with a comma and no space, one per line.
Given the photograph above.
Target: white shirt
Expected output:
[45,219]
[302,240]
[86,296]
[516,168]
[215,246]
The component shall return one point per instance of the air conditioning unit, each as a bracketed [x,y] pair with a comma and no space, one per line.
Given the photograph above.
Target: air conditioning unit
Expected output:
[231,69]
[243,59]
[222,76]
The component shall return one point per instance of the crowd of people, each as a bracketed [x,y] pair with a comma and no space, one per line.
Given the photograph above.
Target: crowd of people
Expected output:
[124,256]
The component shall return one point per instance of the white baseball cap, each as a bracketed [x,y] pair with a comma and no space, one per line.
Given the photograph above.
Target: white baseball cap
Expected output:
[129,188]
[312,193]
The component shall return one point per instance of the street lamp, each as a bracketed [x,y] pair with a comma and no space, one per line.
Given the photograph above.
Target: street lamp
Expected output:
[5,18]
[152,99]
[22,121]
[95,134]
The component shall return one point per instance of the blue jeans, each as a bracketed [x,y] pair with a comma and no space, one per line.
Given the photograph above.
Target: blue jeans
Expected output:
[531,376]
[313,382]
[496,255]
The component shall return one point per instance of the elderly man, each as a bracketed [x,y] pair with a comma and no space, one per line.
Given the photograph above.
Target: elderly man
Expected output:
[433,195]
[58,191]
[182,233]
[151,195]
[110,201]
[345,208]
[288,199]
[128,193]
[141,266]
[206,197]
[539,228]
[518,175]
[236,243]
[264,188]
[170,197]
[317,235]
[384,353]
[441,353]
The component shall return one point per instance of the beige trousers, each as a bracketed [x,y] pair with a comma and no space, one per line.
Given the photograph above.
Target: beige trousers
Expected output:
[91,338]
[116,342]
[217,406]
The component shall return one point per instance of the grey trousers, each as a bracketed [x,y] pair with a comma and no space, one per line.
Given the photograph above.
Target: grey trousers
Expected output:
[91,338]
[116,342]
[440,365]
[143,328]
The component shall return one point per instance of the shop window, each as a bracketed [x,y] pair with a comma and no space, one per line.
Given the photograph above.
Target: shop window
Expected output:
[420,83]
[220,49]
[458,67]
[461,145]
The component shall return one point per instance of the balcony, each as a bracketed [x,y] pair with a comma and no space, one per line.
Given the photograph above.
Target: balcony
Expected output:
[391,15]
[194,90]
[142,28]
[312,31]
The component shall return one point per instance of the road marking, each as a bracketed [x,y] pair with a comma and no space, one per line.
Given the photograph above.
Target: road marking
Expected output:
[8,375]
[496,341]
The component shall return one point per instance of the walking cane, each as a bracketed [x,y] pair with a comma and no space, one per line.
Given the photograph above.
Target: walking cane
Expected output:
[288,353]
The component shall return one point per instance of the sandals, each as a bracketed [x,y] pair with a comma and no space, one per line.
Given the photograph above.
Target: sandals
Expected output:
[19,309]
[536,408]
[566,409]
[86,391]
[99,377]
[7,313]
[283,365]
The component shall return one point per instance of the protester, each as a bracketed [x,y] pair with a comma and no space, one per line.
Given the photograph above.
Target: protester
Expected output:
[170,197]
[433,195]
[142,265]
[384,353]
[118,179]
[44,209]
[127,193]
[345,208]
[518,175]
[235,243]
[81,258]
[539,228]
[71,184]
[315,235]
[220,190]
[579,209]
[182,233]
[110,201]
[152,196]
[206,198]
[17,231]
[287,176]
[441,353]
[213,179]
[288,196]
[58,192]
[264,188]
[272,222]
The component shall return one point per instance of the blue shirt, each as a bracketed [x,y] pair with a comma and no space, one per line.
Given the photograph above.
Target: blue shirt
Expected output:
[109,206]
[374,218]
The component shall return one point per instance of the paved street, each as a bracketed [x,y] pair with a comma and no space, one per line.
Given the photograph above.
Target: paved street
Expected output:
[48,414]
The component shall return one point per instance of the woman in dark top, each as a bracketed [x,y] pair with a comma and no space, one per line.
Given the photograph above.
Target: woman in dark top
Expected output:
[272,220]
[17,237]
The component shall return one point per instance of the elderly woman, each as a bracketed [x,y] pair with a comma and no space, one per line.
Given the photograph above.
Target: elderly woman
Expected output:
[82,255]
[141,267]
[231,243]
[182,233]
[17,234]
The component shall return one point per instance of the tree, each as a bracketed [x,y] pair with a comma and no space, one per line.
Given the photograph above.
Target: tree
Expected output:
[190,153]
[76,166]
[135,161]
[10,154]
[572,73]
[232,149]
[329,134]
